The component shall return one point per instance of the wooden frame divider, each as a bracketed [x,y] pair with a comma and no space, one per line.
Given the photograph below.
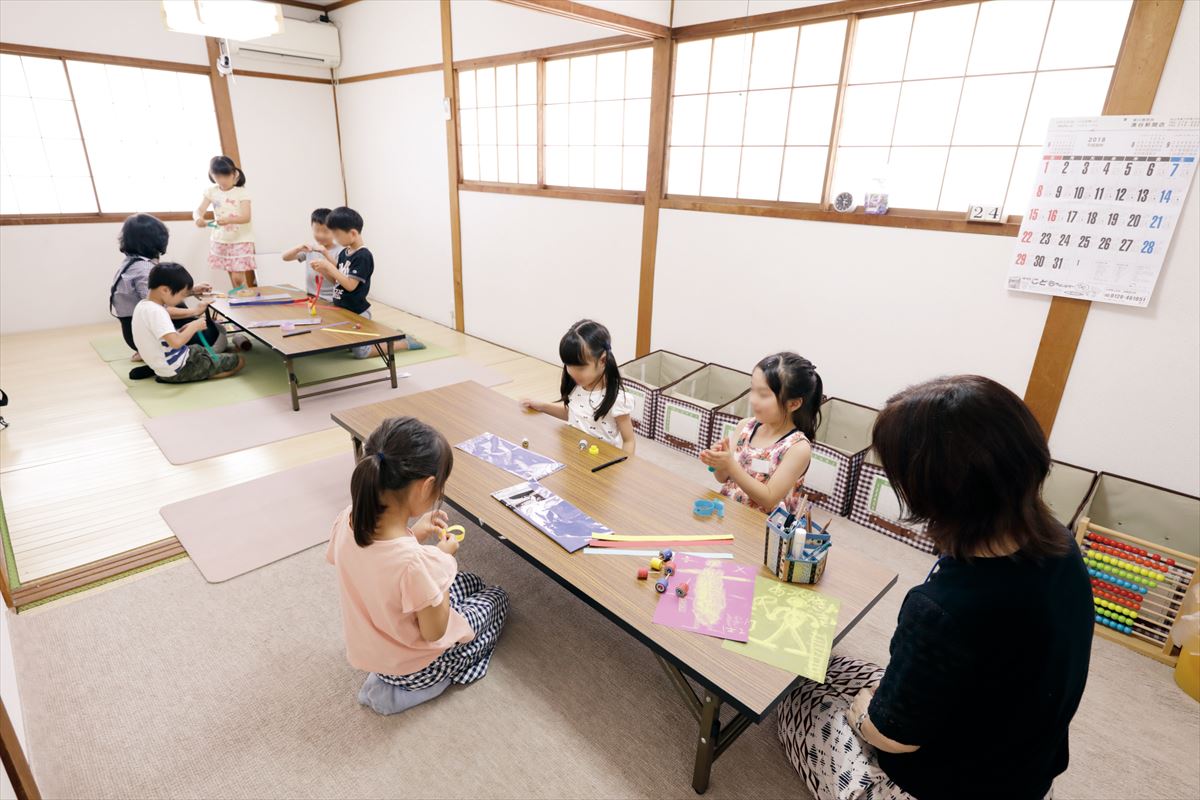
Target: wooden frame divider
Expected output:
[450,85]
[16,765]
[596,16]
[96,571]
[1140,63]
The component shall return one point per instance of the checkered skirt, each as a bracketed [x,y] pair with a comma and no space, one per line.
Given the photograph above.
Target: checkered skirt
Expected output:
[485,609]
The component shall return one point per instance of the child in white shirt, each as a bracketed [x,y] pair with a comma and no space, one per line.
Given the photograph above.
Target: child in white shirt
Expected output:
[165,349]
[592,399]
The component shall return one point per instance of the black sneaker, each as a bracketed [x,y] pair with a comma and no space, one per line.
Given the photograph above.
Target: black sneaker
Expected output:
[140,373]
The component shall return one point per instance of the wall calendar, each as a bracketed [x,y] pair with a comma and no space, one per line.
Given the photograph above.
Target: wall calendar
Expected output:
[1108,195]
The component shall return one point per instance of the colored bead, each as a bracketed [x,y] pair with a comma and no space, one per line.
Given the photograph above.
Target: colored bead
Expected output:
[525,443]
[583,444]
[660,585]
[681,590]
[656,563]
[666,555]
[643,573]
[594,450]
[668,569]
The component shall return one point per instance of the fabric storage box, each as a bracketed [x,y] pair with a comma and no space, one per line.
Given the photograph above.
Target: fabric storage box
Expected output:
[843,438]
[644,379]
[726,418]
[1157,515]
[1066,490]
[876,505]
[686,408]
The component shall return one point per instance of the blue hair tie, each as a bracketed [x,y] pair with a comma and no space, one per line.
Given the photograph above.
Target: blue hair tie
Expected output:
[379,458]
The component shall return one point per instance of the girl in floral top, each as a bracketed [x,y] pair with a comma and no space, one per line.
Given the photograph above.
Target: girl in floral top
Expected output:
[764,462]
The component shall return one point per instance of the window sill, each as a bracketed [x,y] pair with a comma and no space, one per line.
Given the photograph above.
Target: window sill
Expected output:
[75,219]
[561,192]
[895,218]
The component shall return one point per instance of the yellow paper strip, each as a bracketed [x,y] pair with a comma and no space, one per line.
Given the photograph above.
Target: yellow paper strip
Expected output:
[352,333]
[666,537]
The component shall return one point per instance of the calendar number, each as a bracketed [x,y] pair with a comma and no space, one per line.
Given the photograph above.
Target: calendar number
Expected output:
[1092,217]
[1174,169]
[1056,263]
[1085,241]
[1165,195]
[1156,221]
[1033,213]
[1020,259]
[1064,240]
[1114,218]
[1071,215]
[1128,168]
[1125,245]
[1143,195]
[1134,221]
[1098,194]
[1079,192]
[1053,215]
[1150,168]
[1065,165]
[1105,243]
[984,214]
[1039,261]
[1058,191]
[1086,164]
[1106,166]
[1148,246]
[1121,194]
[1027,236]
[1045,238]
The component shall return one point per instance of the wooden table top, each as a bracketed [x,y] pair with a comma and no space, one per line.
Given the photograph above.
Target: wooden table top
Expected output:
[318,341]
[634,497]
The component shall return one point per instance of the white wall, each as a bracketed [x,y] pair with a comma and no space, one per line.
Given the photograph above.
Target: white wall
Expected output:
[874,308]
[381,35]
[394,141]
[11,698]
[82,260]
[287,139]
[485,28]
[532,266]
[693,12]
[658,11]
[1132,404]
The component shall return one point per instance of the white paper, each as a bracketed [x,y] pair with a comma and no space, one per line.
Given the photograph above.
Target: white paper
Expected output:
[682,424]
[1106,199]
[822,474]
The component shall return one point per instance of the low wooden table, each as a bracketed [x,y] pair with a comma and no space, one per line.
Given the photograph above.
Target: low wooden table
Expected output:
[634,496]
[290,348]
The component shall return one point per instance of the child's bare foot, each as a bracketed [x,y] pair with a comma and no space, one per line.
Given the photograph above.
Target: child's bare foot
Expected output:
[136,356]
[241,362]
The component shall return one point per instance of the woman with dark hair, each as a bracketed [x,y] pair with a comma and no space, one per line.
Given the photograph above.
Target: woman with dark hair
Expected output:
[990,654]
[143,241]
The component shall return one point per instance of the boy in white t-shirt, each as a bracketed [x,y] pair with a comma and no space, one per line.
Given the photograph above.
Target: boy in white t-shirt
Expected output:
[326,249]
[165,349]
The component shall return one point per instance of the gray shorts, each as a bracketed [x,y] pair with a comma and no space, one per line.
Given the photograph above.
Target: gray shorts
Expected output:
[200,366]
[366,351]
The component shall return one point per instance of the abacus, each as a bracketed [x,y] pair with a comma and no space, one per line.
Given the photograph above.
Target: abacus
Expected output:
[1137,588]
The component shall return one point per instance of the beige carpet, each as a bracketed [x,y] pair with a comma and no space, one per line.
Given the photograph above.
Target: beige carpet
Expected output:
[166,686]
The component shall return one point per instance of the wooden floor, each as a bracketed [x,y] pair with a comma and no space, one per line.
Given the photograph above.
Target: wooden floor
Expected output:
[82,480]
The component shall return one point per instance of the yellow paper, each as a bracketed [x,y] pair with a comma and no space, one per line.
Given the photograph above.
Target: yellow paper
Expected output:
[614,537]
[790,628]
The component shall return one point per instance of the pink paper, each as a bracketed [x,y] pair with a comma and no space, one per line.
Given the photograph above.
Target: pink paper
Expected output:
[719,599]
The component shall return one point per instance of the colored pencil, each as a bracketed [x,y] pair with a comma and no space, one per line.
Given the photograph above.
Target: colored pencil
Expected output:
[609,463]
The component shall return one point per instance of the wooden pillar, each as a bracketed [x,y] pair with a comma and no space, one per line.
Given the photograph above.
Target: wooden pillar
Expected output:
[223,107]
[1134,83]
[451,93]
[655,174]
[15,763]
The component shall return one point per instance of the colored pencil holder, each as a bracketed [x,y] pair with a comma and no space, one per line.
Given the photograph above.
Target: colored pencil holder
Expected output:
[793,552]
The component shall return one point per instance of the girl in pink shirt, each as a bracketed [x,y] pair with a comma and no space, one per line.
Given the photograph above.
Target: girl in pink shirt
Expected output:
[411,618]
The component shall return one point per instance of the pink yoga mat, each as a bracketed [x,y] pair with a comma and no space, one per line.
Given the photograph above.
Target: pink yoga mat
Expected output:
[232,531]
[194,435]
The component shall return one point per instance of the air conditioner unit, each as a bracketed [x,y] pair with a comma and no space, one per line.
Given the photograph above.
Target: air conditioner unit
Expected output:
[314,44]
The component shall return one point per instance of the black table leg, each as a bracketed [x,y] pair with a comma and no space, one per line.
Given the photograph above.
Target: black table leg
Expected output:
[293,383]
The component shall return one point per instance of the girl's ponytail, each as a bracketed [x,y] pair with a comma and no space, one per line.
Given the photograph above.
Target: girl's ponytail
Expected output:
[400,451]
[588,338]
[793,377]
[365,507]
[223,165]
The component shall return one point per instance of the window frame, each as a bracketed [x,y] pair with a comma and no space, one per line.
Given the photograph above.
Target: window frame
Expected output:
[927,219]
[63,56]
[616,44]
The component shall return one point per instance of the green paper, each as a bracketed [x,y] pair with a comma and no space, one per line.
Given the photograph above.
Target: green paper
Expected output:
[790,628]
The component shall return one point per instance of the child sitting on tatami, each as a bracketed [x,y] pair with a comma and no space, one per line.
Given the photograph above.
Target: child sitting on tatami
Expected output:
[326,248]
[352,274]
[764,462]
[411,618]
[165,349]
